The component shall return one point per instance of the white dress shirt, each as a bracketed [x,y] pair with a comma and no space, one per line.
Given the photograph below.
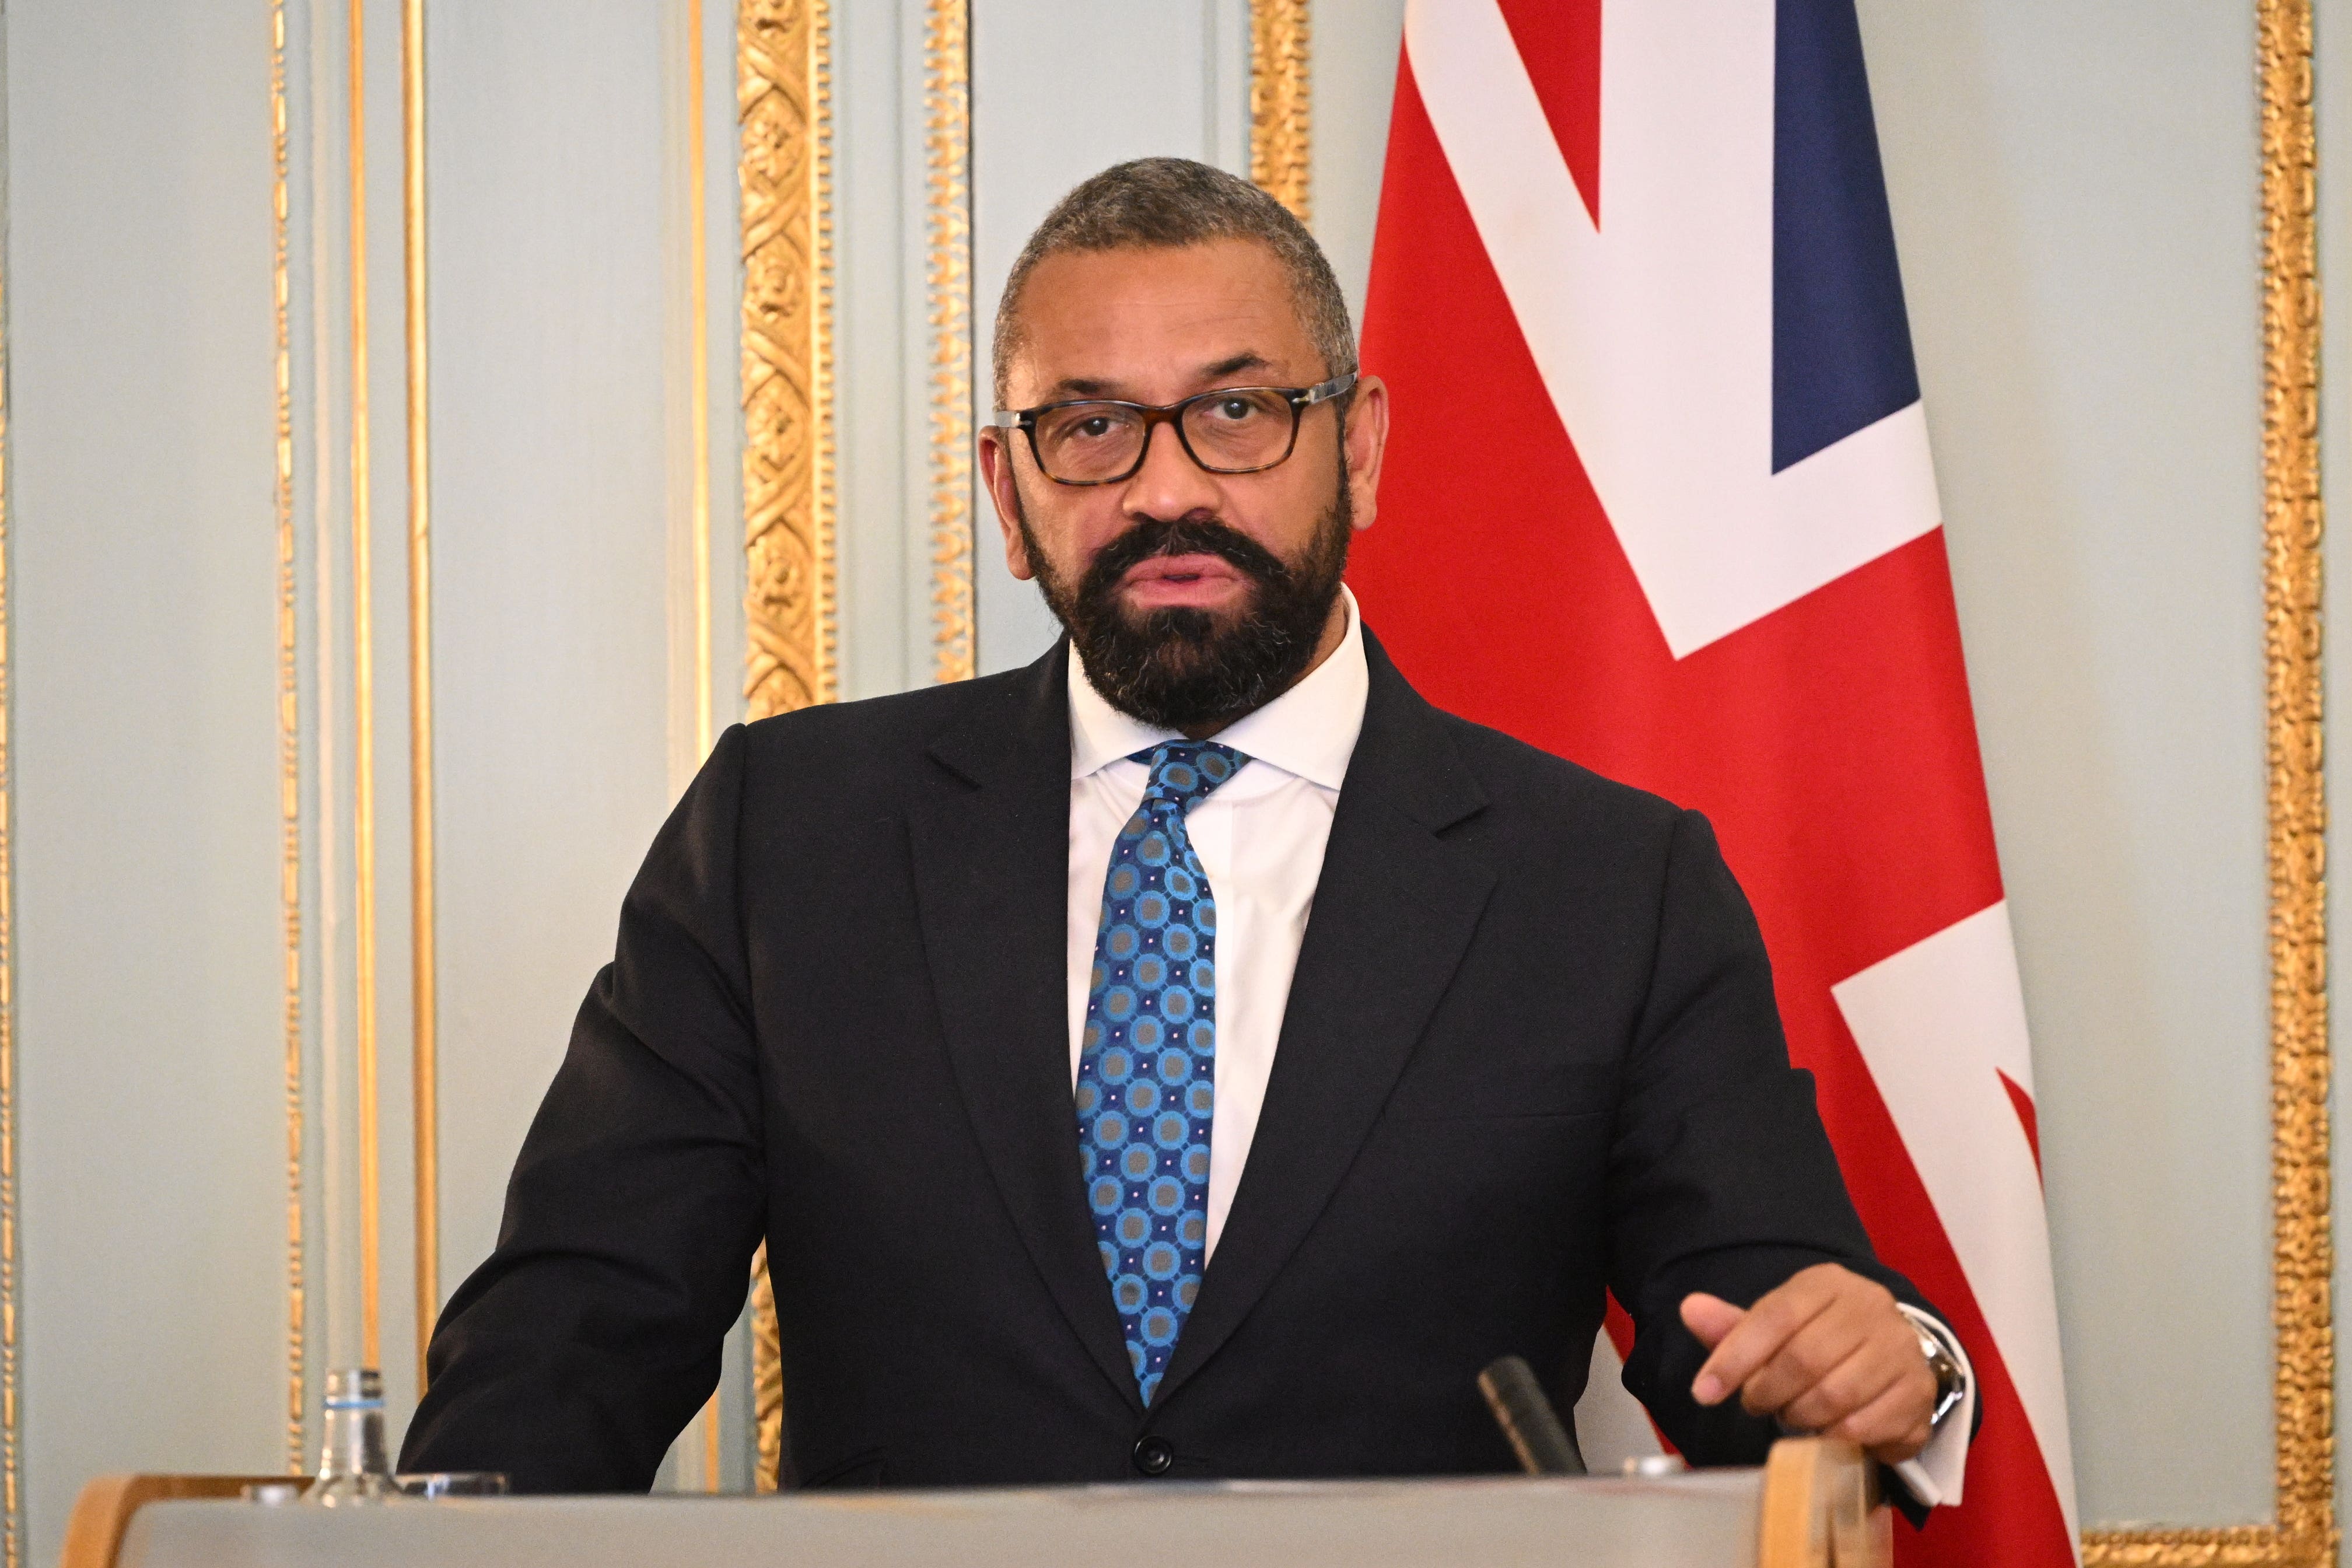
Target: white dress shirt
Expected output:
[1260,837]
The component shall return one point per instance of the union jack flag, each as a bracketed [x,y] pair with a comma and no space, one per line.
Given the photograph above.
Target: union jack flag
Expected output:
[1660,498]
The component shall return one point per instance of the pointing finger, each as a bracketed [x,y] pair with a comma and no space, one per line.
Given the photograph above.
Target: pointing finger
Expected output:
[1709,1317]
[1755,1338]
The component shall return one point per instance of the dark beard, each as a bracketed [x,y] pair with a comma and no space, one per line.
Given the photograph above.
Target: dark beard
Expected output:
[1185,669]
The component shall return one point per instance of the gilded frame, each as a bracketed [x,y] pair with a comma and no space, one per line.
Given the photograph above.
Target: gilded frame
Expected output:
[785,115]
[2305,1532]
[947,276]
[1282,103]
[289,755]
[2302,1259]
[12,1279]
[783,103]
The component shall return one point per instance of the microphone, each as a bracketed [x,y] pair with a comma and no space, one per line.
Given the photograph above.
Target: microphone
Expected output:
[1525,1414]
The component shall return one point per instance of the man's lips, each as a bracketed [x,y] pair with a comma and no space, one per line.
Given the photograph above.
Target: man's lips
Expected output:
[1193,580]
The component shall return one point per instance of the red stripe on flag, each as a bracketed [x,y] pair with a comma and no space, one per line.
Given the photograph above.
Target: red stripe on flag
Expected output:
[1618,1324]
[1831,743]
[2026,1117]
[1560,41]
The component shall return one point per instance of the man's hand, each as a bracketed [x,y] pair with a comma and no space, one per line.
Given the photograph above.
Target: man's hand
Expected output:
[1828,1353]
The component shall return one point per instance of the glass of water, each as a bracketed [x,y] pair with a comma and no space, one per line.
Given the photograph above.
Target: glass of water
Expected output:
[452,1483]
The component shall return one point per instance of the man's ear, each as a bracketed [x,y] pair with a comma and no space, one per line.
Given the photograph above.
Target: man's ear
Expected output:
[997,473]
[1364,445]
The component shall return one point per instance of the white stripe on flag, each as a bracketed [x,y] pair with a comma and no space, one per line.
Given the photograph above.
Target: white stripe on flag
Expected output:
[1611,1424]
[1937,1024]
[1654,333]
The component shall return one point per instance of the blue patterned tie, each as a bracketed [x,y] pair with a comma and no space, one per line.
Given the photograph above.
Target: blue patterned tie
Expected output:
[1146,1091]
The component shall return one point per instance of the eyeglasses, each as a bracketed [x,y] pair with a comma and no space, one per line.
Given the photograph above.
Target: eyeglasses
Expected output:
[1228,430]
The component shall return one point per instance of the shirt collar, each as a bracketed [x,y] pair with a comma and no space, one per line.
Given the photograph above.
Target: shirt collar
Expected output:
[1308,731]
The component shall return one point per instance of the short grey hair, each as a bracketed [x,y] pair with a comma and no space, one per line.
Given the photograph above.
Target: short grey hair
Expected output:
[1156,203]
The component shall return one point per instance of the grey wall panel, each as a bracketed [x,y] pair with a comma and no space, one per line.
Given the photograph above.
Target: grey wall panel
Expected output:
[548,492]
[2074,194]
[1061,89]
[1354,67]
[144,590]
[880,391]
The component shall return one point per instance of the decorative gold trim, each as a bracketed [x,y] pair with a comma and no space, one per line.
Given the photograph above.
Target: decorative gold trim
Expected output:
[289,750]
[767,1375]
[2236,1546]
[784,91]
[2303,1256]
[783,96]
[11,1405]
[1281,103]
[364,719]
[698,418]
[698,395]
[947,155]
[424,1060]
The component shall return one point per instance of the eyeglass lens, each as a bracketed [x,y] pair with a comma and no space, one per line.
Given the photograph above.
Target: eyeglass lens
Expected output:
[1228,432]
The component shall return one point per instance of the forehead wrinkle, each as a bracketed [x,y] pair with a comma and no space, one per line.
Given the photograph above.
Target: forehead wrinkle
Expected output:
[1096,387]
[1155,308]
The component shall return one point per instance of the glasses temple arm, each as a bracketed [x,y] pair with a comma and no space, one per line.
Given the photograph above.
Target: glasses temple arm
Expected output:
[1324,391]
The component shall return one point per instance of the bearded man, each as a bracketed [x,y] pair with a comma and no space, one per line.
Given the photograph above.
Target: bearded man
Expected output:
[1192,1054]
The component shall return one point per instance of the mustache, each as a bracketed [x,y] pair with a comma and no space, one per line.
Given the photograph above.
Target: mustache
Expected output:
[1179,666]
[1155,537]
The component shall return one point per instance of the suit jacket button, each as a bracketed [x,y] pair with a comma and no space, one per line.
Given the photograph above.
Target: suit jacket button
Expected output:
[1154,1455]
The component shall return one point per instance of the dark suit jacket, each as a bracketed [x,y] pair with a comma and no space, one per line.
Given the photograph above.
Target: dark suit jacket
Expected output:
[1530,1053]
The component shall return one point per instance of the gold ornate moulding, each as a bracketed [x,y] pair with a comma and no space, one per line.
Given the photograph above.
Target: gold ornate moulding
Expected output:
[11,1451]
[784,104]
[290,756]
[782,64]
[947,173]
[1281,103]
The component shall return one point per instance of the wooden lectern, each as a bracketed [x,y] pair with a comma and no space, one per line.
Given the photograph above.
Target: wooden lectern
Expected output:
[1811,1506]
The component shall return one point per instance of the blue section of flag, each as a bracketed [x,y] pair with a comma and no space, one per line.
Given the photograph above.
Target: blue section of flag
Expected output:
[1840,338]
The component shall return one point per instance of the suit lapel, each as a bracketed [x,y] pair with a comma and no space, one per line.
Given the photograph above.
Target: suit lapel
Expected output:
[991,849]
[1393,913]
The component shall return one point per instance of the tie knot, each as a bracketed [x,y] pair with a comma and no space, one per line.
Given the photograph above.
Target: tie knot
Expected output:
[1183,771]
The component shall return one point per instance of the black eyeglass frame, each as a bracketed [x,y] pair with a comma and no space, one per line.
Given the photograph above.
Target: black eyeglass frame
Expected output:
[1300,399]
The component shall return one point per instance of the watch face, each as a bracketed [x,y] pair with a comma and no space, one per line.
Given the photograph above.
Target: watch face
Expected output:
[1949,1385]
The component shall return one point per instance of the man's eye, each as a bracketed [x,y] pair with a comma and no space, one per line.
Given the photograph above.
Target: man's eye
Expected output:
[1082,428]
[1239,410]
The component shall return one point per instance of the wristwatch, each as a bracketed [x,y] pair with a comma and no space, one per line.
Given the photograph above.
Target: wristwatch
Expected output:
[1952,1384]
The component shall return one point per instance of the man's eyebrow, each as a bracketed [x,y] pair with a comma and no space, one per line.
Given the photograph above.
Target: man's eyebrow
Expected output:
[1249,359]
[1090,386]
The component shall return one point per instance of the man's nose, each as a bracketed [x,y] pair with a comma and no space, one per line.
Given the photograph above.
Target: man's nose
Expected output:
[1169,484]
